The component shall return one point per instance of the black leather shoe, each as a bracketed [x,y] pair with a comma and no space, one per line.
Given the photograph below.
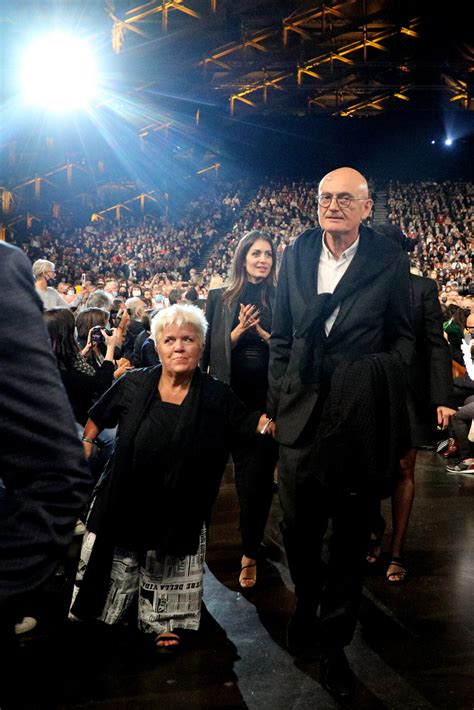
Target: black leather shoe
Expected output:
[302,633]
[336,676]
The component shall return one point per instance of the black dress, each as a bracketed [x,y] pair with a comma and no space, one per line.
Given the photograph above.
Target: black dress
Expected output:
[250,355]
[255,461]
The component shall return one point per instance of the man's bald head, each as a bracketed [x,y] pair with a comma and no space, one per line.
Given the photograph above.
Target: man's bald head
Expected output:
[353,179]
[344,203]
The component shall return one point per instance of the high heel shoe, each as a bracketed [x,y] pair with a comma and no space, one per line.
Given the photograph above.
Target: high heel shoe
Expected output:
[245,580]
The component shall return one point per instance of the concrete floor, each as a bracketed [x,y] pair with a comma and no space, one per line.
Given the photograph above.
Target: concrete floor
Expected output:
[413,649]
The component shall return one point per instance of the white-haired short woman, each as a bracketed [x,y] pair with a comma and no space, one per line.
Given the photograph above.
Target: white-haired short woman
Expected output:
[146,531]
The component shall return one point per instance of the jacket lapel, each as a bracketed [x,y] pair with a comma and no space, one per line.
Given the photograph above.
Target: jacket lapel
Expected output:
[307,266]
[229,317]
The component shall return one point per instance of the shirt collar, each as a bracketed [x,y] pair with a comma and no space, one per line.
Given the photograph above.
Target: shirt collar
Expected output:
[346,255]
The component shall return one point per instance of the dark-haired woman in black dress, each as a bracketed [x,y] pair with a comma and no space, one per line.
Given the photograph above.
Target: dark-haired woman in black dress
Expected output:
[240,318]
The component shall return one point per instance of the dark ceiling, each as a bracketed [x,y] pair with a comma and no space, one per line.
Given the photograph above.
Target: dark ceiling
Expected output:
[250,57]
[350,58]
[269,82]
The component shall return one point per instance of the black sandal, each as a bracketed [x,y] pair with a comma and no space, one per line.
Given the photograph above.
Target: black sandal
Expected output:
[171,650]
[244,578]
[396,562]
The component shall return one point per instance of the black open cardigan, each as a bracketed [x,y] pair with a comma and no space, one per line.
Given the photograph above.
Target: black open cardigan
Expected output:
[211,418]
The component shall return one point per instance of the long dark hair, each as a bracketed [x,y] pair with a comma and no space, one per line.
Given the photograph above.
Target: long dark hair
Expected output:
[238,275]
[89,317]
[60,324]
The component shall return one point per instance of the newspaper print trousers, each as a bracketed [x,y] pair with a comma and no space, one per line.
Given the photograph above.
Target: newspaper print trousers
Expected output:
[169,588]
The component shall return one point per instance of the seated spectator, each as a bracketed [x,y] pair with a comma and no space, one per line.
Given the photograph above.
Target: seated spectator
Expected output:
[463,394]
[462,428]
[454,328]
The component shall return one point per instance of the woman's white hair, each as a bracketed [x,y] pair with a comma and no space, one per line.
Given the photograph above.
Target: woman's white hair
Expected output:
[42,266]
[179,314]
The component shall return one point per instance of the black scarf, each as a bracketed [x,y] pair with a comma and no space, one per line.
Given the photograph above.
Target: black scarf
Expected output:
[362,270]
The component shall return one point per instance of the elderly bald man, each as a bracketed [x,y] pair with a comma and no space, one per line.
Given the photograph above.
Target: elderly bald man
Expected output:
[341,338]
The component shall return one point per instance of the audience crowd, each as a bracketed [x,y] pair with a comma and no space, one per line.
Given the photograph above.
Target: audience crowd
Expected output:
[160,254]
[440,217]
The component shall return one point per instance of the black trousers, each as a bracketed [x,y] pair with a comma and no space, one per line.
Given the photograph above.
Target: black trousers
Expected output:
[335,587]
[254,465]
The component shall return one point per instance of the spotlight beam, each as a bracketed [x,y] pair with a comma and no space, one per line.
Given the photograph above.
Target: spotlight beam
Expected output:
[58,73]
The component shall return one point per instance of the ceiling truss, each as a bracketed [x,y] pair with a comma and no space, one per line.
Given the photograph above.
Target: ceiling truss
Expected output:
[322,43]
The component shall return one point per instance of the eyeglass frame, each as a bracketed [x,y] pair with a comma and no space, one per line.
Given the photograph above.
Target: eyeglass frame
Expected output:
[338,198]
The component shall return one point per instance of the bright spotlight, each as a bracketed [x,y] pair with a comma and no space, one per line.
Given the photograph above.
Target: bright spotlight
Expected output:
[433,142]
[448,141]
[58,72]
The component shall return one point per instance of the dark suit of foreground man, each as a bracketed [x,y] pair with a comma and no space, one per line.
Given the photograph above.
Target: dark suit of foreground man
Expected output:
[341,339]
[44,480]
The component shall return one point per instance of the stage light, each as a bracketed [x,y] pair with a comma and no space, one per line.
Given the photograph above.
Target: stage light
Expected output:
[58,72]
[448,141]
[433,142]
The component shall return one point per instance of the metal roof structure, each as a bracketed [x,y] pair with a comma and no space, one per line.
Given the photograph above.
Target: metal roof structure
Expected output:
[349,58]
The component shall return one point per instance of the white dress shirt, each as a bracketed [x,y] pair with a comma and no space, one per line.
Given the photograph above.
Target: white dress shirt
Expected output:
[331,271]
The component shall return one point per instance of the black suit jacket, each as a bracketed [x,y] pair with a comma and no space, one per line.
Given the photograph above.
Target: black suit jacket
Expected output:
[46,480]
[430,378]
[374,318]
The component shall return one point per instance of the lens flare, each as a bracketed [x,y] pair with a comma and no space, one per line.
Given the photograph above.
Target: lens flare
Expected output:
[59,73]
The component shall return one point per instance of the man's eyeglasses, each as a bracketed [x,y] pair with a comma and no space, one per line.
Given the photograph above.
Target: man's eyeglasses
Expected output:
[342,200]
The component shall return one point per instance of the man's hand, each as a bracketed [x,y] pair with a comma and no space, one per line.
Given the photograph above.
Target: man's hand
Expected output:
[272,429]
[266,425]
[444,415]
[88,448]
